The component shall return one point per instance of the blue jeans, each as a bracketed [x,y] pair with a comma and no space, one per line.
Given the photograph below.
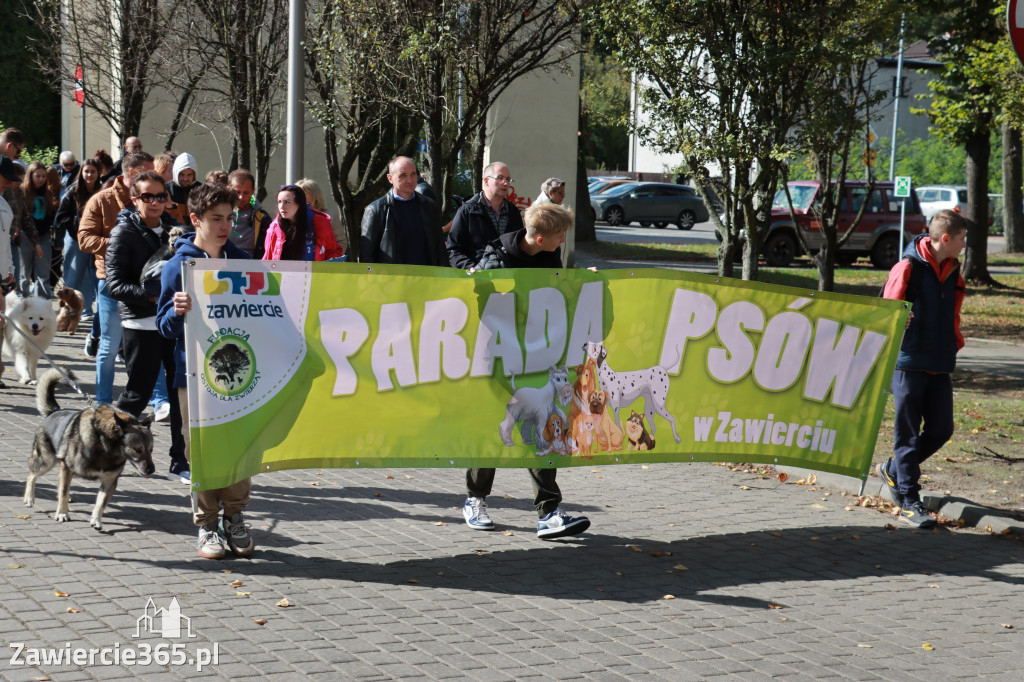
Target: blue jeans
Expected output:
[919,397]
[110,341]
[80,271]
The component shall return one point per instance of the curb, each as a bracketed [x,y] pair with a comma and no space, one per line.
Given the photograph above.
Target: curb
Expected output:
[961,511]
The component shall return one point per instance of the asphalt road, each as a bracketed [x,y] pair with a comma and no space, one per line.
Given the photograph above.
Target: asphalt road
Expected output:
[702,233]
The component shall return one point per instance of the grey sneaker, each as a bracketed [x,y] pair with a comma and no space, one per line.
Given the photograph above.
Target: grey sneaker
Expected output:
[211,542]
[890,483]
[236,530]
[475,513]
[916,514]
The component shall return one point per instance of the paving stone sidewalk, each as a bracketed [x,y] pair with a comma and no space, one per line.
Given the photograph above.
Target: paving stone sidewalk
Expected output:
[685,575]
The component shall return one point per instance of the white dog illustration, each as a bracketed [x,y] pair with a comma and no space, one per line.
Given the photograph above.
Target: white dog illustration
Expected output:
[533,407]
[625,387]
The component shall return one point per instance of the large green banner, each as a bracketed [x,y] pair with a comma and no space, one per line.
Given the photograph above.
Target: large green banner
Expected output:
[311,365]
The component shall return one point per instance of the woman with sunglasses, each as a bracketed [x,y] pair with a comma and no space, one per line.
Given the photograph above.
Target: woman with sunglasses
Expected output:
[299,232]
[141,231]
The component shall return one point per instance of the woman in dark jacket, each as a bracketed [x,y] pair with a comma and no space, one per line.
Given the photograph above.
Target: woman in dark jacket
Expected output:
[137,236]
[79,267]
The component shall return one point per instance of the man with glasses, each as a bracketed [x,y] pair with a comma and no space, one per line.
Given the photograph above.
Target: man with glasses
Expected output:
[98,219]
[483,218]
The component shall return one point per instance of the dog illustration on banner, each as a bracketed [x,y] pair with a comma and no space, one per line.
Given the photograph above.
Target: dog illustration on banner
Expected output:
[624,388]
[533,408]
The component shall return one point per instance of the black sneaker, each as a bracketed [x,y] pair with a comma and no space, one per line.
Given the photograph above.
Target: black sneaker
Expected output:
[916,514]
[890,483]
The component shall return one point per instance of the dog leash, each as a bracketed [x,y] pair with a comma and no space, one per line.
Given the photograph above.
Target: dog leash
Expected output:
[63,373]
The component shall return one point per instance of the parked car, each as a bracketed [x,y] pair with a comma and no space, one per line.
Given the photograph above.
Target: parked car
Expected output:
[876,236]
[659,203]
[604,184]
[934,198]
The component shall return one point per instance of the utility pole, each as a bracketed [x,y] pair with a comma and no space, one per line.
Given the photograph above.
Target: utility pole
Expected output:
[296,90]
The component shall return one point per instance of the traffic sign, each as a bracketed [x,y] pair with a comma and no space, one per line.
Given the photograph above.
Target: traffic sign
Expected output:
[903,187]
[1015,25]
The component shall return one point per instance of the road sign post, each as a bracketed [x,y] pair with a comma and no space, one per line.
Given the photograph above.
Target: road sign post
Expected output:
[902,192]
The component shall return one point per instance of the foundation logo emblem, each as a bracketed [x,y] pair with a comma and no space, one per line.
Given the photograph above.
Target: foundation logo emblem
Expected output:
[229,368]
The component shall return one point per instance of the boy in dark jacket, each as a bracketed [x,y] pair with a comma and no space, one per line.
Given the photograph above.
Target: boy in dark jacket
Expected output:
[211,209]
[534,246]
[928,277]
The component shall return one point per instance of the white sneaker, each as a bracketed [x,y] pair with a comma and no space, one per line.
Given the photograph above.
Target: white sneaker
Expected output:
[558,524]
[162,413]
[475,513]
[211,543]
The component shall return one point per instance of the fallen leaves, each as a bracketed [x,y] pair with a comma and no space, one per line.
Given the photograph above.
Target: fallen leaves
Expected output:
[23,517]
[242,594]
[669,596]
[774,606]
[865,646]
[58,593]
[818,506]
[72,609]
[927,647]
[680,567]
[1008,626]
[260,621]
[783,477]
[284,603]
[237,583]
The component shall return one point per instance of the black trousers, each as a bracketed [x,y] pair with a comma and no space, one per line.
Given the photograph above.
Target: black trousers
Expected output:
[145,350]
[546,495]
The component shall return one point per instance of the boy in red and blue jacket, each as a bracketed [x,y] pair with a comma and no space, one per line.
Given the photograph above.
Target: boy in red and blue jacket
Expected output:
[929,278]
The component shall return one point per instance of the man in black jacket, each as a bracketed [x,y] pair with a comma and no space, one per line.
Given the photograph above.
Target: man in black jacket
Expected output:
[402,226]
[483,218]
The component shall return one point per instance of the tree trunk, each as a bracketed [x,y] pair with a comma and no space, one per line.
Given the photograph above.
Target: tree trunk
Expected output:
[1013,197]
[584,224]
[975,267]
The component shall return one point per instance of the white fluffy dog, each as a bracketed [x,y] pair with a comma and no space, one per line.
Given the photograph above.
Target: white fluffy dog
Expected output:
[35,316]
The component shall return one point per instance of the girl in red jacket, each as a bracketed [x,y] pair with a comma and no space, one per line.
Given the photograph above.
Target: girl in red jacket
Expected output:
[299,232]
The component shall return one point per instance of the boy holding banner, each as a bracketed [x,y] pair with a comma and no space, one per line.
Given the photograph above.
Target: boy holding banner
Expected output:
[211,209]
[929,278]
[534,246]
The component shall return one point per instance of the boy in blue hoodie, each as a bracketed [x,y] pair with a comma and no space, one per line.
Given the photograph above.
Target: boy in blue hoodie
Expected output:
[211,208]
[929,278]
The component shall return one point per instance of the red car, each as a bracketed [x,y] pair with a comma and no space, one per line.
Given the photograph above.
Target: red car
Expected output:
[876,236]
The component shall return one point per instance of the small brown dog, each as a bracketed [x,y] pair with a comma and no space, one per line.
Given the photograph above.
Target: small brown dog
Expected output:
[72,305]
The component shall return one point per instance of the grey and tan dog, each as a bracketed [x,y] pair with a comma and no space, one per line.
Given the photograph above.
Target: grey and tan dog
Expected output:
[94,443]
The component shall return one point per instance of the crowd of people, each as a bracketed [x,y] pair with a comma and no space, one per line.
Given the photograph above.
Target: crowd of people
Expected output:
[117,232]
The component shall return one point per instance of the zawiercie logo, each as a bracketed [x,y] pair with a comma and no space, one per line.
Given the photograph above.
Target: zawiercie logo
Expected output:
[168,623]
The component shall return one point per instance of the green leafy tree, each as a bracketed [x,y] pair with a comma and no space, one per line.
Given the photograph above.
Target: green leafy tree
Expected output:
[969,96]
[604,93]
[724,84]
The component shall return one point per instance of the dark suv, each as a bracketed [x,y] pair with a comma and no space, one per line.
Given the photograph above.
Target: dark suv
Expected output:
[876,236]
